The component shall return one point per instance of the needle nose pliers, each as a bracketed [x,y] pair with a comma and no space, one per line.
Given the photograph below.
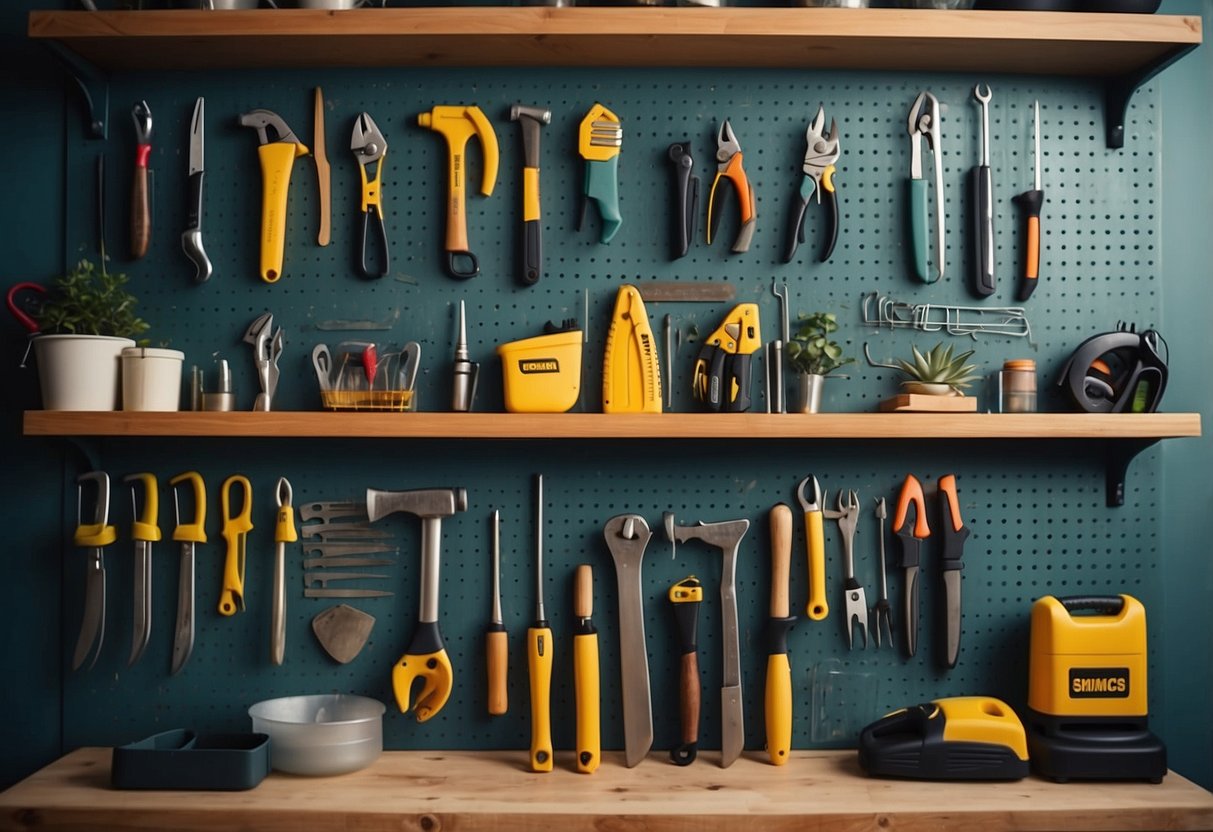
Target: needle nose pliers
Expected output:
[923,124]
[821,153]
[729,166]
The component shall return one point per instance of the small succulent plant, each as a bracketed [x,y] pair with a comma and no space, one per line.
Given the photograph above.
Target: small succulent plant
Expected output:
[810,349]
[939,366]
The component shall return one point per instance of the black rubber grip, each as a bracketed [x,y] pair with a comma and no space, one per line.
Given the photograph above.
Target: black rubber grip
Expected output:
[532,252]
[1107,604]
[777,635]
[831,203]
[426,640]
[796,237]
[193,205]
[981,206]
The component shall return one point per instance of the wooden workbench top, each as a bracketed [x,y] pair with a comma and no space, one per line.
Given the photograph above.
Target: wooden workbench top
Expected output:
[463,790]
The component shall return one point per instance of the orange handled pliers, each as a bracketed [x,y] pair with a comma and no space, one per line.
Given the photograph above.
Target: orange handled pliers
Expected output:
[729,166]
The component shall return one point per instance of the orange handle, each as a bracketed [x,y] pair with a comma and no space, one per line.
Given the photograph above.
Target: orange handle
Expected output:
[911,492]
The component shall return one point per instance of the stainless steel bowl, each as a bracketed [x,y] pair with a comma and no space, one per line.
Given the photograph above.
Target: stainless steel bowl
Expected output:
[324,734]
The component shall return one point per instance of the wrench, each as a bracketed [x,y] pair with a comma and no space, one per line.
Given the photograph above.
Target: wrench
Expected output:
[627,536]
[855,603]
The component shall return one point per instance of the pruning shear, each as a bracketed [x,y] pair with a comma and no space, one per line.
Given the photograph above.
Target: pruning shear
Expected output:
[370,147]
[924,124]
[266,349]
[729,166]
[722,369]
[819,158]
[29,324]
[235,534]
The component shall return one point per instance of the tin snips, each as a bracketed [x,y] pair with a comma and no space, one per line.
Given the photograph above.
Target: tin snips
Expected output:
[266,349]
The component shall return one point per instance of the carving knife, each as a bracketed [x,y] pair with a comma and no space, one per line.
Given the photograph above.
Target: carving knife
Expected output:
[191,238]
[322,170]
[95,537]
[626,537]
[954,535]
[143,531]
[188,535]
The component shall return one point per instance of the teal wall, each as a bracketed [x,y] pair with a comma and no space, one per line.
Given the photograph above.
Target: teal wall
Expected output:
[45,126]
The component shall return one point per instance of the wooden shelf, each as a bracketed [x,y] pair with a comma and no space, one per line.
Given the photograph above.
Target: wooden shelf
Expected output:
[433,790]
[1052,43]
[296,424]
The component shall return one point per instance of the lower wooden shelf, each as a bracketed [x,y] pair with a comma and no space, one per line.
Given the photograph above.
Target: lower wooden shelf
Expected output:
[464,790]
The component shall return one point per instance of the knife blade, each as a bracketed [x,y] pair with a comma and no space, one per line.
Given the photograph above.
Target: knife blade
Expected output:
[191,238]
[183,631]
[92,625]
[954,535]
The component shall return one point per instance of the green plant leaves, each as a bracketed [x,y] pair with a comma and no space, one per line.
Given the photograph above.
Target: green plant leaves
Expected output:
[810,349]
[87,302]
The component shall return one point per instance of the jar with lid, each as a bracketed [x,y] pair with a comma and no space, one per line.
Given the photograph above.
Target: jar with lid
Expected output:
[1017,386]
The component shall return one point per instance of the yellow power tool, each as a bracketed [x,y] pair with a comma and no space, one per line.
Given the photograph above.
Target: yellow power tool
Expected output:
[631,373]
[277,157]
[721,378]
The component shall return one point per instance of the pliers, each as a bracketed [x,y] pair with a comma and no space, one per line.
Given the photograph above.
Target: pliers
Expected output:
[924,124]
[911,551]
[266,349]
[370,147]
[820,155]
[729,166]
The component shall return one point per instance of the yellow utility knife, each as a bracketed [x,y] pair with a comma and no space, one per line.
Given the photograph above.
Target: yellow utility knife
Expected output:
[631,372]
[585,672]
[277,157]
[779,671]
[235,534]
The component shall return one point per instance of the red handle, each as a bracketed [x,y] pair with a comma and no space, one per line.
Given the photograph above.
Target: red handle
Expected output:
[11,301]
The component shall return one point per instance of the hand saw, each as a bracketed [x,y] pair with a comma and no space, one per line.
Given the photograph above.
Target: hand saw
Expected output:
[631,372]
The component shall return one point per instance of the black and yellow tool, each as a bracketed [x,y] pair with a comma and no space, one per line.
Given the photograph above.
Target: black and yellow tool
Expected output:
[721,378]
[778,699]
[277,156]
[539,655]
[631,372]
[235,533]
[585,672]
[531,120]
[686,596]
[958,738]
[496,640]
[1087,706]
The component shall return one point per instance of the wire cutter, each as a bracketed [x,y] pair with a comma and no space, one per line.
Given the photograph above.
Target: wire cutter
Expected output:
[235,534]
[820,155]
[729,166]
[924,124]
[954,535]
[370,147]
[911,551]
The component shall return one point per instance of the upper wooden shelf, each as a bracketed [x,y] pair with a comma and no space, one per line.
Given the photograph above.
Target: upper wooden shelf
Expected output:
[1053,43]
[618,426]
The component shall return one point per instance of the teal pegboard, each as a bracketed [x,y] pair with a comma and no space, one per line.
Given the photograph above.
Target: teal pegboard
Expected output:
[1036,508]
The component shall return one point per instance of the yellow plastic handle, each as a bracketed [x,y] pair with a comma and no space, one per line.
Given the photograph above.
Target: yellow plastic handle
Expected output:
[815,537]
[235,533]
[191,532]
[779,708]
[94,535]
[284,525]
[435,670]
[589,728]
[145,525]
[277,159]
[539,663]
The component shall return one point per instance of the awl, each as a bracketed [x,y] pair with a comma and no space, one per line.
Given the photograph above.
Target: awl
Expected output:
[496,640]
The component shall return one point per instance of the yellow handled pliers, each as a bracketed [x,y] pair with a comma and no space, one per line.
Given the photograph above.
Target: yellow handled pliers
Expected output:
[370,148]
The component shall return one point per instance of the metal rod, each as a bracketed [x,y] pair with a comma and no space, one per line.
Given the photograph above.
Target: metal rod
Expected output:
[539,616]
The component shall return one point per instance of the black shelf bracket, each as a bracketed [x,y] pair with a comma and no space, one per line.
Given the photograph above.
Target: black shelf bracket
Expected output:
[1119,453]
[1118,92]
[94,86]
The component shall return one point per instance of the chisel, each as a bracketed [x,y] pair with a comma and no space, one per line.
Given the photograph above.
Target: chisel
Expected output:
[1031,202]
[585,672]
[539,655]
[496,640]
[779,671]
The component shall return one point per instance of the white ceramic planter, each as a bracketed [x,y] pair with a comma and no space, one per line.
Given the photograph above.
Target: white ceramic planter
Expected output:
[80,372]
[151,379]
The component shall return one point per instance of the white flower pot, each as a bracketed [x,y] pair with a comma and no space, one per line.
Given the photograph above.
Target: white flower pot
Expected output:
[80,372]
[151,379]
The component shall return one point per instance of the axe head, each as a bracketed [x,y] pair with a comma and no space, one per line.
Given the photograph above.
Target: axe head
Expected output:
[424,502]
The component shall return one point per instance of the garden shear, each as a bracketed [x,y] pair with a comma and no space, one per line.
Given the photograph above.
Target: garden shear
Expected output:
[235,534]
[822,152]
[266,349]
[370,148]
[911,551]
[924,124]
[729,166]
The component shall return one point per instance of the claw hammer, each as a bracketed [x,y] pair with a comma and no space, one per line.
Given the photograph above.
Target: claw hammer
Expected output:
[531,119]
[426,656]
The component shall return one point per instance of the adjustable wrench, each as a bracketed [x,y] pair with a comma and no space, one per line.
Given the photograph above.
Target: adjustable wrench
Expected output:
[855,603]
[627,535]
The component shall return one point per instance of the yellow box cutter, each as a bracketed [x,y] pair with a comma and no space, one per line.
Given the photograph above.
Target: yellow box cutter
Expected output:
[277,157]
[235,534]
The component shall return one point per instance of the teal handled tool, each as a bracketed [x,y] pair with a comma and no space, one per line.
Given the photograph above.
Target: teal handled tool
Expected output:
[924,124]
[599,141]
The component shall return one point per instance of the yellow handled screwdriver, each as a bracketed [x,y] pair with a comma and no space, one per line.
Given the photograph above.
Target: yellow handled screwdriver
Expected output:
[539,655]
[585,672]
[496,640]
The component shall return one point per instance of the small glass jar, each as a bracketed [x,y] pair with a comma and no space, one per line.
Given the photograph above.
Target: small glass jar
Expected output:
[1017,386]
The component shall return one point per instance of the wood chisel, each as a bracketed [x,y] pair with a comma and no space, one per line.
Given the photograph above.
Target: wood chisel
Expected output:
[94,536]
[323,173]
[496,640]
[631,371]
[539,655]
[144,531]
[686,596]
[585,672]
[284,533]
[189,535]
[1031,202]
[627,536]
[779,672]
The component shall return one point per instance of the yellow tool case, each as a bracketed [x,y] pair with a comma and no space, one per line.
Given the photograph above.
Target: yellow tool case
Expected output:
[542,374]
[1087,703]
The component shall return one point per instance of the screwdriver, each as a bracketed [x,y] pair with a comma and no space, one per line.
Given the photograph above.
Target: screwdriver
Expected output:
[539,655]
[1031,203]
[496,641]
[585,672]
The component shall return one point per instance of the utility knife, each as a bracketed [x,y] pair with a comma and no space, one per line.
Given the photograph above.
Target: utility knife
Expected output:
[191,238]
[954,535]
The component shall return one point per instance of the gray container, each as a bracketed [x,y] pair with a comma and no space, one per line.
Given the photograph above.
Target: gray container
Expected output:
[323,734]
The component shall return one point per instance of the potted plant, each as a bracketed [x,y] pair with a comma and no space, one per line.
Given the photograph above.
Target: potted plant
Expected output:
[86,321]
[814,356]
[939,372]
